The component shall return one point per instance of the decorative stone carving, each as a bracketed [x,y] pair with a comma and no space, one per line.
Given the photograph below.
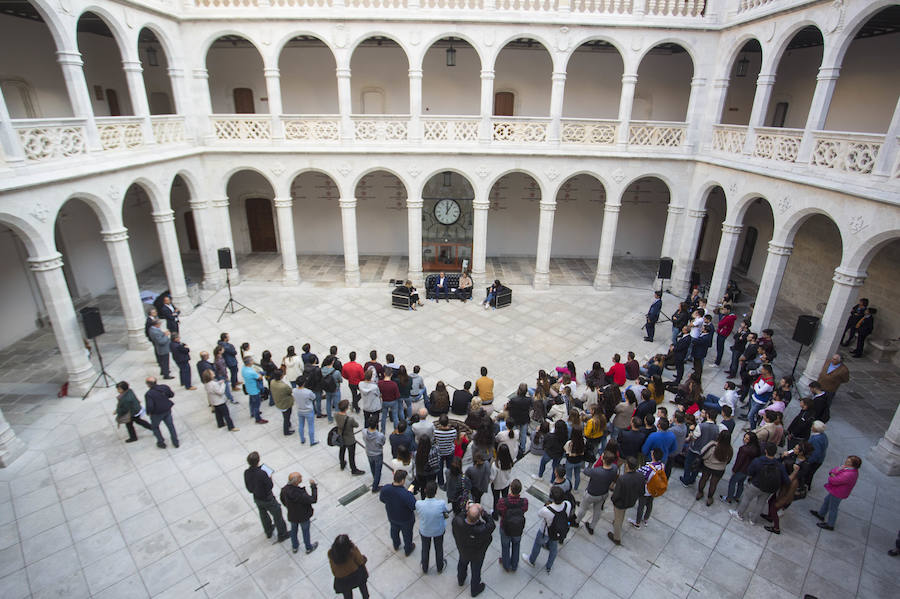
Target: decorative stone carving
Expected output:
[768,31]
[344,168]
[413,203]
[857,224]
[834,19]
[552,174]
[851,279]
[414,171]
[562,40]
[637,42]
[284,202]
[163,216]
[548,206]
[696,213]
[732,187]
[277,168]
[45,263]
[114,236]
[731,229]
[39,212]
[114,192]
[612,208]
[784,204]
[351,203]
[340,36]
[618,175]
[675,210]
[415,37]
[489,37]
[482,171]
[780,250]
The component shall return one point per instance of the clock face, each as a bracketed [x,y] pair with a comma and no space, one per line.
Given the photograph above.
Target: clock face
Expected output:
[446,211]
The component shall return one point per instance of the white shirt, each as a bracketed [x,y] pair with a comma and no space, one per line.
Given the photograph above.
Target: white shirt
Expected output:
[697,327]
[547,513]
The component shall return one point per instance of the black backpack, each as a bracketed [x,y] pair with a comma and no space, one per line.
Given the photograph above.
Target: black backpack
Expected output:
[513,520]
[559,528]
[328,382]
[768,479]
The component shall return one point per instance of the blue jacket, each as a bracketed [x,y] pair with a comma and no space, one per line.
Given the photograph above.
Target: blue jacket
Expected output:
[820,442]
[251,380]
[701,346]
[399,504]
[653,313]
[230,354]
[664,440]
[756,464]
[432,512]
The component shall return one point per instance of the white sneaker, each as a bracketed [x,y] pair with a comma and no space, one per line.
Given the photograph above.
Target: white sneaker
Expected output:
[634,522]
[525,558]
[646,522]
[735,514]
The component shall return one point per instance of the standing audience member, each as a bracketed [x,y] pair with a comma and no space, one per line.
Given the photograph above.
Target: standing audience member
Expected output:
[552,529]
[766,476]
[348,566]
[259,483]
[654,473]
[158,400]
[374,442]
[291,365]
[723,330]
[331,384]
[715,459]
[834,374]
[230,356]
[472,531]
[432,512]
[747,452]
[129,411]
[390,396]
[304,399]
[353,372]
[653,316]
[345,425]
[222,371]
[181,354]
[161,347]
[629,488]
[864,328]
[819,440]
[298,503]
[856,314]
[254,385]
[400,505]
[215,395]
[283,397]
[510,510]
[841,481]
[600,479]
[370,395]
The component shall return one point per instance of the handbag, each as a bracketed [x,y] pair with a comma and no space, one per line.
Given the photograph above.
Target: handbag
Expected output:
[124,418]
[336,437]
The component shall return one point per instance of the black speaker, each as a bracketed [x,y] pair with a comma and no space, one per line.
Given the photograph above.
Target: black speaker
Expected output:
[93,324]
[225,258]
[805,331]
[665,269]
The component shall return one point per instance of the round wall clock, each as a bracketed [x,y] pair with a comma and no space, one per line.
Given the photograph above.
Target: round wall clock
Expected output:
[446,211]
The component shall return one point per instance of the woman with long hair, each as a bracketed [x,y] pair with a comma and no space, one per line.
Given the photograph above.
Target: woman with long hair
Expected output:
[404,385]
[575,450]
[715,455]
[349,567]
[747,452]
[553,448]
[268,367]
[622,411]
[501,473]
[542,386]
[657,389]
[595,436]
[428,460]
[222,371]
[292,365]
[439,400]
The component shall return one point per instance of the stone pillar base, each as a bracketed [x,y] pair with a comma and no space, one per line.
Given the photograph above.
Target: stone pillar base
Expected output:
[352,279]
[886,457]
[11,446]
[541,281]
[213,282]
[603,282]
[289,279]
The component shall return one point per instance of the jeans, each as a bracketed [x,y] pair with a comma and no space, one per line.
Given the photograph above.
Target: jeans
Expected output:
[389,407]
[331,401]
[405,404]
[254,407]
[690,475]
[375,463]
[354,396]
[223,416]
[544,459]
[155,419]
[523,437]
[163,361]
[309,419]
[304,526]
[438,551]
[489,298]
[509,550]
[463,564]
[286,421]
[675,332]
[445,463]
[735,360]
[712,403]
[720,347]
[317,403]
[233,369]
[752,416]
[595,504]
[227,388]
[829,509]
[269,511]
[736,485]
[184,373]
[407,529]
[644,508]
[540,540]
[574,470]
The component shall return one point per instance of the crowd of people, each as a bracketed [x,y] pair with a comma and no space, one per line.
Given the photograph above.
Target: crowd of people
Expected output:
[614,427]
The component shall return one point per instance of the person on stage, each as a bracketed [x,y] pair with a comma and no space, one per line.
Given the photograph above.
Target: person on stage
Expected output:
[653,316]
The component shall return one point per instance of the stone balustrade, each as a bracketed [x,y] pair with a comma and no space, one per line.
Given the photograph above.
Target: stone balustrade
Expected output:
[120,133]
[656,134]
[590,132]
[51,139]
[776,143]
[453,129]
[729,139]
[380,128]
[848,152]
[306,127]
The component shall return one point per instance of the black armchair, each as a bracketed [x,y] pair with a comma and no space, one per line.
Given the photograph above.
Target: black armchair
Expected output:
[400,298]
[503,297]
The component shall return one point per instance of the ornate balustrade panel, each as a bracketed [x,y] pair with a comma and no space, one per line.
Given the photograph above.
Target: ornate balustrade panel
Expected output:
[603,7]
[120,133]
[168,129]
[225,3]
[589,132]
[729,138]
[451,129]
[852,152]
[748,4]
[520,131]
[301,3]
[381,128]
[451,4]
[312,128]
[246,128]
[51,139]
[776,143]
[529,5]
[376,3]
[658,134]
[676,8]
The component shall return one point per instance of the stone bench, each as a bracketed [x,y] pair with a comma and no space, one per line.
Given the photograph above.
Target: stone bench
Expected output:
[884,350]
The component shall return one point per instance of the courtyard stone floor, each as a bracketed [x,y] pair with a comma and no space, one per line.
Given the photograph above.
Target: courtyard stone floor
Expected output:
[82,514]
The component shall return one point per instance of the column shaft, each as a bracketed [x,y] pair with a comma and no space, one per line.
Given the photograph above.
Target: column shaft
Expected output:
[415,105]
[557,93]
[479,239]
[486,132]
[127,286]
[11,446]
[826,81]
[888,154]
[273,89]
[764,85]
[345,104]
[673,224]
[414,216]
[770,283]
[626,101]
[351,249]
[684,263]
[695,110]
[724,259]
[545,242]
[171,255]
[222,214]
[72,68]
[284,214]
[603,278]
[206,228]
[9,140]
[179,90]
[202,110]
[886,455]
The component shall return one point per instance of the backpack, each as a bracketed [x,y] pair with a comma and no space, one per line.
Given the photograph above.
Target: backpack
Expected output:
[513,520]
[559,527]
[658,481]
[328,382]
[768,479]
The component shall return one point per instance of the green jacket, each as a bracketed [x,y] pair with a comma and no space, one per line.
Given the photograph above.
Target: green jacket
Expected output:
[281,395]
[128,402]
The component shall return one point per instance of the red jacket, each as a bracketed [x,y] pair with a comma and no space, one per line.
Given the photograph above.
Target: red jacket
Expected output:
[726,325]
[617,372]
[353,372]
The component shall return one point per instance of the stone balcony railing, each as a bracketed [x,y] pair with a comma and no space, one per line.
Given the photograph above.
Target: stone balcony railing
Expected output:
[51,139]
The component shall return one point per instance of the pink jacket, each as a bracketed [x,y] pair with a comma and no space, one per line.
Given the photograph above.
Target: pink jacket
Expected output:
[841,481]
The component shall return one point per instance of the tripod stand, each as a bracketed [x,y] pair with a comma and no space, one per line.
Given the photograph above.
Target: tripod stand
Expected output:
[231,303]
[108,380]
[663,316]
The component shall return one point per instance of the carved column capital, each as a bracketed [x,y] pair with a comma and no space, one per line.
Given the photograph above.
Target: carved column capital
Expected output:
[350,203]
[219,203]
[675,210]
[45,263]
[698,214]
[287,202]
[114,235]
[849,278]
[415,204]
[163,216]
[612,208]
[731,229]
[780,250]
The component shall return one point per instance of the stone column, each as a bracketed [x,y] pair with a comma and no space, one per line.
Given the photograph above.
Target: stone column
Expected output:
[770,283]
[179,90]
[202,112]
[221,215]
[888,153]
[695,111]
[886,455]
[843,296]
[486,132]
[545,241]
[11,446]
[55,294]
[724,259]
[345,103]
[171,255]
[479,239]
[673,228]
[135,79]
[603,278]
[126,283]
[687,249]
[9,141]
[273,89]
[557,92]
[351,249]
[284,214]
[72,67]
[626,101]
[205,225]
[414,215]
[713,116]
[415,105]
[764,84]
[826,81]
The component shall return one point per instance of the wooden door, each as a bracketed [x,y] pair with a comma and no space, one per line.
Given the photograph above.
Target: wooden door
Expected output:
[243,100]
[191,230]
[504,104]
[112,98]
[261,225]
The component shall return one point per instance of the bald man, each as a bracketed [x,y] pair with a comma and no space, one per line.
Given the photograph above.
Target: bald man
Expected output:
[472,531]
[299,509]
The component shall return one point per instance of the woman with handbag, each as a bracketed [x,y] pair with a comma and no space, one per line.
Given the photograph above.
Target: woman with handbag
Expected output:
[129,411]
[344,425]
[349,567]
[215,395]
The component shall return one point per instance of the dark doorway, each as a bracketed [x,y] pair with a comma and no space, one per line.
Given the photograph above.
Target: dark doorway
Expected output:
[703,226]
[191,230]
[504,104]
[261,224]
[747,251]
[112,98]
[243,100]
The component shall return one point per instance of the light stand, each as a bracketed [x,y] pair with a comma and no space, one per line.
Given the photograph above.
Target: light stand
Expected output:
[665,317]
[231,303]
[108,380]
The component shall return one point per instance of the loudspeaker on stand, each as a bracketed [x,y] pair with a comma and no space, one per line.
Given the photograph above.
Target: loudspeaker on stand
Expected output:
[93,324]
[665,269]
[805,330]
[225,258]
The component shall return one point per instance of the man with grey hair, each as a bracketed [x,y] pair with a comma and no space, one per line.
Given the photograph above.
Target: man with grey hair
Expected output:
[299,509]
[472,531]
[819,441]
[161,347]
[423,428]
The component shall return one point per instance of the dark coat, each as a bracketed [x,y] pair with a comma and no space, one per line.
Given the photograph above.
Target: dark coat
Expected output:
[298,502]
[230,354]
[181,353]
[157,399]
[204,365]
[472,540]
[258,483]
[679,352]
[629,488]
[128,403]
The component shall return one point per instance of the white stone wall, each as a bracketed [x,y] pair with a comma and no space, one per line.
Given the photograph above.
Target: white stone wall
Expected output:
[103,67]
[27,53]
[21,304]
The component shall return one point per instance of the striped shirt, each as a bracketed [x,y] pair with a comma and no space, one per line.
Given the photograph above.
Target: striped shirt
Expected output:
[444,439]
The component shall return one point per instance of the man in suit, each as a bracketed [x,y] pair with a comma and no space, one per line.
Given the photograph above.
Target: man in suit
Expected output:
[700,347]
[230,355]
[161,347]
[864,328]
[151,316]
[856,314]
[181,353]
[679,351]
[204,364]
[441,286]
[169,313]
[653,316]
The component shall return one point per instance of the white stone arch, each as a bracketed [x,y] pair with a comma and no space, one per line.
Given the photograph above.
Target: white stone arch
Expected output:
[62,33]
[423,181]
[354,46]
[742,204]
[834,53]
[109,216]
[735,49]
[538,179]
[587,172]
[530,35]
[786,228]
[165,40]
[314,169]
[189,180]
[861,256]
[120,35]
[37,244]
[406,184]
[235,170]
[688,47]
[666,179]
[453,33]
[778,48]
[702,196]
[623,54]
[206,46]
[158,200]
[278,46]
